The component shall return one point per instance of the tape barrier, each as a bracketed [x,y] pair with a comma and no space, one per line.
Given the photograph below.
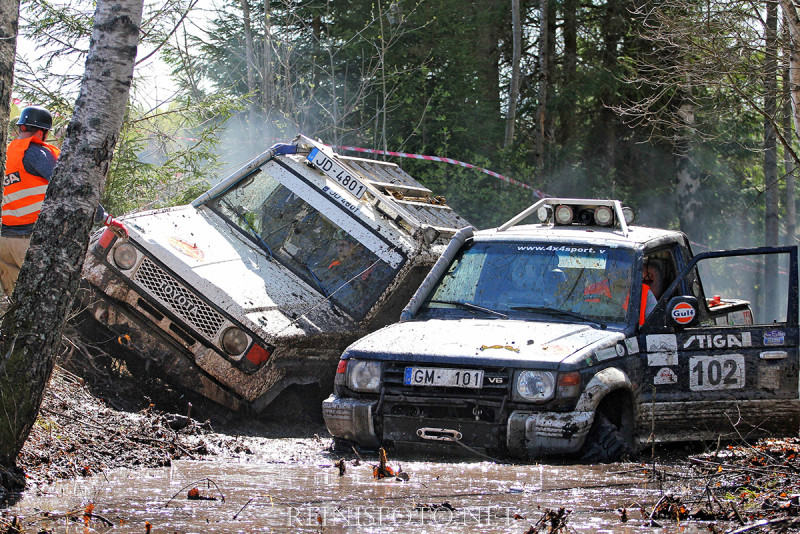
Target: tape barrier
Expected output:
[540,194]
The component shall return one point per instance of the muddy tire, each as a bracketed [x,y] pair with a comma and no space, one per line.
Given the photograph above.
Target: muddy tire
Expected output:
[605,442]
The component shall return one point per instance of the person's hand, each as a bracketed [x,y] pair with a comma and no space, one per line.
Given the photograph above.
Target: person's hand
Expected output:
[115,226]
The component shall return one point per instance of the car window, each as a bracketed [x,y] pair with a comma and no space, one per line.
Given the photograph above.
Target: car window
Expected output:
[526,280]
[293,232]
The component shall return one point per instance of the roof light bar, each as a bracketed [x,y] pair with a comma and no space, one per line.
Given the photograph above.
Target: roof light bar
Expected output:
[603,216]
[564,214]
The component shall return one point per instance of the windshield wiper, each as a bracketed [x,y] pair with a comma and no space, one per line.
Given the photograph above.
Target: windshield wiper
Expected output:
[557,312]
[470,306]
[253,232]
[317,280]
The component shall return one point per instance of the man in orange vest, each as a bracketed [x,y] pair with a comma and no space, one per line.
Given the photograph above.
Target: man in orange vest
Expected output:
[29,164]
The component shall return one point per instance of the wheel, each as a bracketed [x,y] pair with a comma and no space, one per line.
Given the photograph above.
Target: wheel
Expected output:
[605,442]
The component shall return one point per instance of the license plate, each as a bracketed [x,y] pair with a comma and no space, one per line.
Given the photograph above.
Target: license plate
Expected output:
[433,376]
[350,183]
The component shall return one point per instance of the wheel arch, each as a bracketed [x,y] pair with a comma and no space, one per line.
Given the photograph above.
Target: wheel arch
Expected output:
[610,392]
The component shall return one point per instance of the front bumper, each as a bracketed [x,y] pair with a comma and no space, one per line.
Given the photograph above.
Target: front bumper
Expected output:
[351,419]
[527,434]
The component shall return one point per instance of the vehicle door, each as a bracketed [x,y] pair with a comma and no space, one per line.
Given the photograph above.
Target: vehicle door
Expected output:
[723,361]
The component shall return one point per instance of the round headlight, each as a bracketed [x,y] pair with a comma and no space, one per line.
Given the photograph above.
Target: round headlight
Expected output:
[364,376]
[564,214]
[543,213]
[125,256]
[628,214]
[234,341]
[603,216]
[535,385]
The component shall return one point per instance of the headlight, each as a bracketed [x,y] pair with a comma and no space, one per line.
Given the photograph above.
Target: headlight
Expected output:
[234,341]
[125,256]
[364,376]
[535,386]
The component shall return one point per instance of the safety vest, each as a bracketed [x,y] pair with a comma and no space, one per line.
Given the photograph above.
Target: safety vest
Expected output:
[602,288]
[643,305]
[23,193]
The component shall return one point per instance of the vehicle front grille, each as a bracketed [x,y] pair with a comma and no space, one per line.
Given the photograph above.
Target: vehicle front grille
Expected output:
[496,382]
[179,299]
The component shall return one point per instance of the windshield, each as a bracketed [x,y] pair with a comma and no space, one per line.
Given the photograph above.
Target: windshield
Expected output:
[572,283]
[289,230]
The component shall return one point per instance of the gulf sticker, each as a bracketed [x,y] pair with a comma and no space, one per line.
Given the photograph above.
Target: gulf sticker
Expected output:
[683,313]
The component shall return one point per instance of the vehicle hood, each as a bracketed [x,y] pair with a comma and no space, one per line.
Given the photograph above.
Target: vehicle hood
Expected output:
[233,273]
[486,342]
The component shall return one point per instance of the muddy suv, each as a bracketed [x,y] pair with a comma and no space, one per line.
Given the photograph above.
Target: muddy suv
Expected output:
[262,281]
[579,334]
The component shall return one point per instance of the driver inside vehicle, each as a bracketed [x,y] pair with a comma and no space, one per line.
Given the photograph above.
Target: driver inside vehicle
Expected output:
[607,297]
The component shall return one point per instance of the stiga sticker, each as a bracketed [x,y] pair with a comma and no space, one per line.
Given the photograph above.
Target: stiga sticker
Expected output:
[774,337]
[665,375]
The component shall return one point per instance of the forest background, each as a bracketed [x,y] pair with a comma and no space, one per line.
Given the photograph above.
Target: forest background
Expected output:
[679,108]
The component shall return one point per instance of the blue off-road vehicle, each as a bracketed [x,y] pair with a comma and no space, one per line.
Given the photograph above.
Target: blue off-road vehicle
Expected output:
[578,334]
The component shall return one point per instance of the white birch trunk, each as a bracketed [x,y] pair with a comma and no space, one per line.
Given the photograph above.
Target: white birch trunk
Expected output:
[48,281]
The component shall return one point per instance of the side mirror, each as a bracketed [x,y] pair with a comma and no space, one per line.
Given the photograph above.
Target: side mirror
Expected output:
[682,312]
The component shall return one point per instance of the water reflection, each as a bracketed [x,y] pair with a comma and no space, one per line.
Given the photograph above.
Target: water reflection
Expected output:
[312,497]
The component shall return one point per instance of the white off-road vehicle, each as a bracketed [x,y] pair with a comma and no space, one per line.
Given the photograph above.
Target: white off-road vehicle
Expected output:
[577,334]
[262,281]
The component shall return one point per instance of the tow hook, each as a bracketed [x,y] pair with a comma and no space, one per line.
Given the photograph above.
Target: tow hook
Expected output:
[439,434]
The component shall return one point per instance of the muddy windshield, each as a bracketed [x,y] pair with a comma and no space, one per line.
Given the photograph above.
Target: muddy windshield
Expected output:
[572,283]
[289,230]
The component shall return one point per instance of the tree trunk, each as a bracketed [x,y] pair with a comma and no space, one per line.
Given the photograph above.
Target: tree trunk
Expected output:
[31,330]
[513,91]
[570,71]
[788,162]
[249,51]
[687,188]
[612,27]
[544,69]
[793,22]
[9,23]
[267,83]
[771,159]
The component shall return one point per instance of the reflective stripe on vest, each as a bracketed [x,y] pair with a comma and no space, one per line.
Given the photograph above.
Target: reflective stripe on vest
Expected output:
[23,193]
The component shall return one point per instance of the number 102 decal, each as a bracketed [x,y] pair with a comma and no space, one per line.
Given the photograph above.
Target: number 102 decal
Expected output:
[716,372]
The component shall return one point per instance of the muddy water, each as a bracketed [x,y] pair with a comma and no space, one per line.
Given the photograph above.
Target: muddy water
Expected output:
[310,496]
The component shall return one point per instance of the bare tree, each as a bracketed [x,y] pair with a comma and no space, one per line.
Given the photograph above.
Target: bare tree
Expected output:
[32,329]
